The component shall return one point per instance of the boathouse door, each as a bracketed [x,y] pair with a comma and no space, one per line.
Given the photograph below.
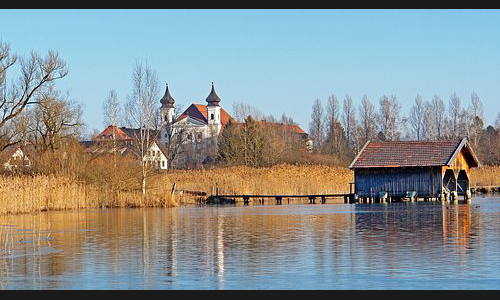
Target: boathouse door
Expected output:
[462,182]
[449,181]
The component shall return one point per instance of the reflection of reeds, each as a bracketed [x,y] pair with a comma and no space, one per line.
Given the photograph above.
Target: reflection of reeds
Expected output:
[6,242]
[24,243]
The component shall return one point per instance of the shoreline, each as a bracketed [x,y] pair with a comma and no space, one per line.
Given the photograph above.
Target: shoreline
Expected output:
[40,193]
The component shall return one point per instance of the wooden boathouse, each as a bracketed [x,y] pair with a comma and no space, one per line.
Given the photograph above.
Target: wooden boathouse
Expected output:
[432,170]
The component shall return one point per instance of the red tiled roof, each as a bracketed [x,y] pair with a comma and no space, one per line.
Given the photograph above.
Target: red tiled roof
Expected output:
[408,154]
[108,134]
[199,112]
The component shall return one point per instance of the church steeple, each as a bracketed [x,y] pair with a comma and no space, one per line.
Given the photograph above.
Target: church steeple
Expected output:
[213,99]
[213,110]
[167,108]
[167,101]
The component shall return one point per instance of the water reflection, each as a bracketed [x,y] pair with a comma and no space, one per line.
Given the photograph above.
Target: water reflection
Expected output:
[370,246]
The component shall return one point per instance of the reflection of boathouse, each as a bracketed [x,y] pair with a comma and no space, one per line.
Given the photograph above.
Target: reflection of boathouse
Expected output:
[424,169]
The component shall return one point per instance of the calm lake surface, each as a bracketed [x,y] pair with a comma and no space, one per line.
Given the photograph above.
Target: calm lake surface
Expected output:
[424,245]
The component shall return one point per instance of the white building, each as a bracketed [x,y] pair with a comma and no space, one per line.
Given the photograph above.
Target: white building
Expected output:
[14,158]
[196,128]
[123,144]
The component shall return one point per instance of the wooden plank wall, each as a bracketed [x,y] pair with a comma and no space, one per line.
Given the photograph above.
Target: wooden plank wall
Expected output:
[425,181]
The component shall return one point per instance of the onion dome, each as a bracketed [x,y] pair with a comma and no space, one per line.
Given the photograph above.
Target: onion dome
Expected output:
[213,99]
[167,100]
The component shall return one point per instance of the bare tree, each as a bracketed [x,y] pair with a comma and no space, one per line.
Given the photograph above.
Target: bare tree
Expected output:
[35,74]
[112,110]
[54,119]
[389,118]
[429,126]
[454,111]
[112,115]
[349,120]
[335,138]
[476,119]
[316,125]
[367,120]
[437,117]
[417,118]
[497,122]
[141,113]
[242,110]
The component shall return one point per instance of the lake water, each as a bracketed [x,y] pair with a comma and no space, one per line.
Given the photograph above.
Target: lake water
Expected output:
[424,245]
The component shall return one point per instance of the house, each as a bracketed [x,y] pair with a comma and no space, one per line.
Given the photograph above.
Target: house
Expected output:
[14,158]
[429,169]
[123,144]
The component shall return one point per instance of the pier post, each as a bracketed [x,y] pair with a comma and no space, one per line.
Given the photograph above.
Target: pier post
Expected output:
[468,195]
[278,200]
[217,193]
[323,200]
[454,196]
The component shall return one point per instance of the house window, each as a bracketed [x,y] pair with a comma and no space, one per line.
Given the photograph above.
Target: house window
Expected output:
[211,116]
[163,164]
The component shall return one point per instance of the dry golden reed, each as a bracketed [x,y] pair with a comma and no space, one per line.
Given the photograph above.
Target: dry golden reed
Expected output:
[485,176]
[281,179]
[25,194]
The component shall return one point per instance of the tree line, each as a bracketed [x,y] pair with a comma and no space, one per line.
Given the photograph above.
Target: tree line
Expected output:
[339,128]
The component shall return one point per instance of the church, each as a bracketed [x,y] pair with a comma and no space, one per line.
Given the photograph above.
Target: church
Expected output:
[183,140]
[192,135]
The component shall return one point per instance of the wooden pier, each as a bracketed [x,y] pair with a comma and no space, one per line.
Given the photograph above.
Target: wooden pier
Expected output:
[349,198]
[221,199]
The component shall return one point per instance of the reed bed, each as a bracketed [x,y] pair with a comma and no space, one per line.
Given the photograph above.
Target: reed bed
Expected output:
[485,176]
[26,194]
[280,179]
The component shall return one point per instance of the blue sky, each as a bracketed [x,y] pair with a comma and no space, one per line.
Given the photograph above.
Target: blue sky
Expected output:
[279,61]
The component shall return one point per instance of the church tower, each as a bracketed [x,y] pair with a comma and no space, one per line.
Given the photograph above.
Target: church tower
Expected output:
[167,108]
[213,110]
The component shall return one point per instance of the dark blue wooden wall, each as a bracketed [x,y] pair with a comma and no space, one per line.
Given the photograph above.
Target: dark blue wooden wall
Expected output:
[425,181]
